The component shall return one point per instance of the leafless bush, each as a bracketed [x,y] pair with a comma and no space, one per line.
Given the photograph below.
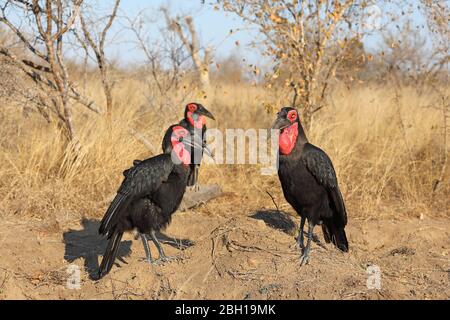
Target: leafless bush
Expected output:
[307,40]
[164,68]
[185,29]
[50,22]
[43,36]
[94,39]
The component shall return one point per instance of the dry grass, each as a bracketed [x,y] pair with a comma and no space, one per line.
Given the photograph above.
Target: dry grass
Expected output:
[387,150]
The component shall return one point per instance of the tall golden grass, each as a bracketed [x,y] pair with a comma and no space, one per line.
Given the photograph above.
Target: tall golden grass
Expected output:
[387,148]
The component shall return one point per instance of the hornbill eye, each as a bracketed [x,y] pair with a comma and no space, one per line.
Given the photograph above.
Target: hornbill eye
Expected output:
[192,107]
[292,115]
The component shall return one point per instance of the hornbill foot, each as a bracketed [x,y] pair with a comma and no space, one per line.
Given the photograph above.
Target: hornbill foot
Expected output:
[162,256]
[160,261]
[304,259]
[147,260]
[165,259]
[193,188]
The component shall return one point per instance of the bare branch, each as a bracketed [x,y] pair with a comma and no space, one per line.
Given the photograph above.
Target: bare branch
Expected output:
[193,46]
[99,51]
[75,10]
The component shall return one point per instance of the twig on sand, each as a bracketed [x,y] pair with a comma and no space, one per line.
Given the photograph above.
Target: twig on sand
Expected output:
[245,275]
[237,246]
[180,289]
[273,200]
[5,278]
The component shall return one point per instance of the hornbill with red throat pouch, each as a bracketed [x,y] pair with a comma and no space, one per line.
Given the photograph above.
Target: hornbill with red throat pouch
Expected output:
[195,122]
[309,184]
[150,193]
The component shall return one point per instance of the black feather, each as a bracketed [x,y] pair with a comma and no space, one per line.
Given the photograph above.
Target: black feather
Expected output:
[149,194]
[310,185]
[110,254]
[115,206]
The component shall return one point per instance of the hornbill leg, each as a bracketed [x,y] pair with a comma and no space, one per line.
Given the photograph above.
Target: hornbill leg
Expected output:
[148,254]
[162,255]
[194,176]
[300,241]
[196,186]
[305,255]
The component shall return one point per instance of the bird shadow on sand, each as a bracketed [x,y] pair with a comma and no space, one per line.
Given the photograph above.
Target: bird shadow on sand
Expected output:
[180,244]
[280,220]
[277,220]
[90,246]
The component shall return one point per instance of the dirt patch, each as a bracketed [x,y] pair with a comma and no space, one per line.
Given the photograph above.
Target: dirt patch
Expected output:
[228,257]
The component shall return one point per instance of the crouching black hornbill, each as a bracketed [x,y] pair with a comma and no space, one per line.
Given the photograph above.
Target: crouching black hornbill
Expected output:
[309,184]
[150,193]
[195,122]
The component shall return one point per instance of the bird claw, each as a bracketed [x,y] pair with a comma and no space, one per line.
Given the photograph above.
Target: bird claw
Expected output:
[304,259]
[163,260]
[194,188]
[300,246]
[147,260]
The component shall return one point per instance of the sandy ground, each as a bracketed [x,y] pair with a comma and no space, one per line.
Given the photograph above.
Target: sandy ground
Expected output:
[251,256]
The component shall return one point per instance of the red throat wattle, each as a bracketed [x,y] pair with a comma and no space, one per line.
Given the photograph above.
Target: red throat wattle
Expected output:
[201,121]
[287,139]
[178,148]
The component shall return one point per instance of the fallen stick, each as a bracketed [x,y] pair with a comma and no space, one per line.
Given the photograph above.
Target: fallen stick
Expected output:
[205,193]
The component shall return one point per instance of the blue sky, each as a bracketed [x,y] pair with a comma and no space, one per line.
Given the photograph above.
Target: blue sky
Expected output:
[213,27]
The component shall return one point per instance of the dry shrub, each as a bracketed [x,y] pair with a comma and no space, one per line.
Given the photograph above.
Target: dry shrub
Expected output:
[386,147]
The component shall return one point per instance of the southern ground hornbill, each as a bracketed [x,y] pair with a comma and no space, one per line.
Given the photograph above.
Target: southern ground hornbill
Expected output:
[195,122]
[309,184]
[150,193]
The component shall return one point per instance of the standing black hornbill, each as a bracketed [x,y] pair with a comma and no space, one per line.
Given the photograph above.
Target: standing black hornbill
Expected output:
[195,122]
[150,193]
[309,183]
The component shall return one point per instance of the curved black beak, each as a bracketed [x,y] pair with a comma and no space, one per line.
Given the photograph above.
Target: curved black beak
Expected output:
[194,143]
[203,111]
[281,123]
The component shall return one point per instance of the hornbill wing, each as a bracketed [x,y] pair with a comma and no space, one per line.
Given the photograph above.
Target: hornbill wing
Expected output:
[320,166]
[140,180]
[135,163]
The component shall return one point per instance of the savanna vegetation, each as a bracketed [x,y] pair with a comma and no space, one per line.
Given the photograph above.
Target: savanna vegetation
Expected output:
[370,80]
[68,127]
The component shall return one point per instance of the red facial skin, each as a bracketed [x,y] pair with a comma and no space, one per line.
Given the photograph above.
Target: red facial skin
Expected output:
[178,147]
[288,136]
[192,107]
[201,121]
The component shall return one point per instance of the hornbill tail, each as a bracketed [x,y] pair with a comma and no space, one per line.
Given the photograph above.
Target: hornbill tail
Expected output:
[337,236]
[110,254]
